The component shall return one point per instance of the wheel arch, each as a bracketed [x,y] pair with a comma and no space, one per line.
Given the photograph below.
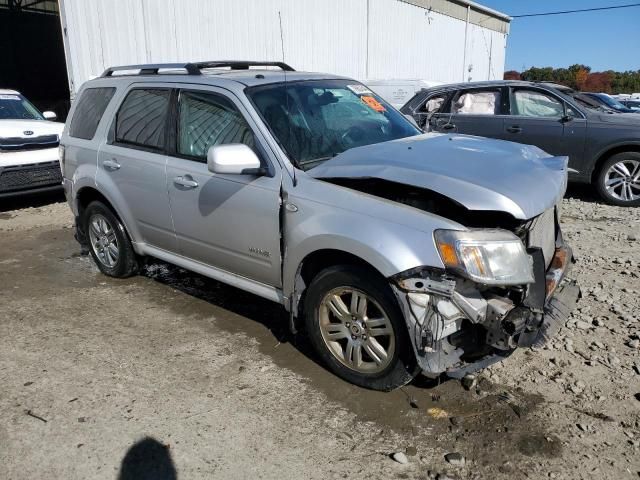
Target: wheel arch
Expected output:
[88,194]
[312,264]
[607,154]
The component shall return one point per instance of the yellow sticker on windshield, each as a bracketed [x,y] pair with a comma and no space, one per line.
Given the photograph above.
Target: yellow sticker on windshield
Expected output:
[373,103]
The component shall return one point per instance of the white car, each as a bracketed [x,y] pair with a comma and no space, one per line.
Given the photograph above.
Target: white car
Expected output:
[28,147]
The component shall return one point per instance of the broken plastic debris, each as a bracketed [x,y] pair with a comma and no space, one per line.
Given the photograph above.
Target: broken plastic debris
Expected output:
[436,412]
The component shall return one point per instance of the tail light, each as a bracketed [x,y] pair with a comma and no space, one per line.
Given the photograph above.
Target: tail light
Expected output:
[61,158]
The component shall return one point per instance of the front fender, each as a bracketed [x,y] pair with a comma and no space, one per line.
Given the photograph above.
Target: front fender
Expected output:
[385,237]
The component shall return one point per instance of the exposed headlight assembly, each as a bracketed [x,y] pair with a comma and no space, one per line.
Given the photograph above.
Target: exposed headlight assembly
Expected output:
[490,257]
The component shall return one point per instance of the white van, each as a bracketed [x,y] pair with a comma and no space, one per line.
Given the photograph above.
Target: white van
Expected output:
[398,92]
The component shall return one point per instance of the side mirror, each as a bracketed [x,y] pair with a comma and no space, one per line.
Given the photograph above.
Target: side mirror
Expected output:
[566,118]
[234,158]
[48,115]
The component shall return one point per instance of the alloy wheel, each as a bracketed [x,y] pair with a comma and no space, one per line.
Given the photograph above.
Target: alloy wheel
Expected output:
[103,240]
[356,330]
[622,180]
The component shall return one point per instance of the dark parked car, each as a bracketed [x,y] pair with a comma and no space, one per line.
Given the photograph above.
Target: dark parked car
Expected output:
[632,103]
[610,102]
[603,147]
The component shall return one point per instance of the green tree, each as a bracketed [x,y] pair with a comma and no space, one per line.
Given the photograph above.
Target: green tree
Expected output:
[580,77]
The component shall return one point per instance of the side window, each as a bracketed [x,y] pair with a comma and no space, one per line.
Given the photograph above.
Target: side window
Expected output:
[477,103]
[572,111]
[207,119]
[89,110]
[530,103]
[433,104]
[142,118]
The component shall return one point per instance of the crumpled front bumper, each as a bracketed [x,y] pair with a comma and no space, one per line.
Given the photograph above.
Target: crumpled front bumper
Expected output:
[458,328]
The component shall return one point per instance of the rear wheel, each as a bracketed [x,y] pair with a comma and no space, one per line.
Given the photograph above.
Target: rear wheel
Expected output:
[355,325]
[108,241]
[619,180]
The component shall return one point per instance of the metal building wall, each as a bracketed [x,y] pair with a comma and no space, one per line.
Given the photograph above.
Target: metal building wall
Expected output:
[357,38]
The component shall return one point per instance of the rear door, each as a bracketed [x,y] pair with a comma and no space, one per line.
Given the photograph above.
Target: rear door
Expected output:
[231,222]
[132,163]
[478,111]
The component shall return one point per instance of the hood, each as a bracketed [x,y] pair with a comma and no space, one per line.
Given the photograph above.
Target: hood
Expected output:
[617,119]
[479,173]
[16,128]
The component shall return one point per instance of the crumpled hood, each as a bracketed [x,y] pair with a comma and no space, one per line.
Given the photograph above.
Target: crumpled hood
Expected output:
[479,173]
[16,128]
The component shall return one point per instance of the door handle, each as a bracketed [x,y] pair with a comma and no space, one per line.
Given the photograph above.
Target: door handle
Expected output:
[111,165]
[186,181]
[514,129]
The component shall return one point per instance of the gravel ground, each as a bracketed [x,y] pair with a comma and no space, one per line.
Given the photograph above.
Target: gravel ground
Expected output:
[171,375]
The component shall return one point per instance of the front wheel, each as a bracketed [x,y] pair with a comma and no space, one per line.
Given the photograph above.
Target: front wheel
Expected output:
[619,180]
[356,327]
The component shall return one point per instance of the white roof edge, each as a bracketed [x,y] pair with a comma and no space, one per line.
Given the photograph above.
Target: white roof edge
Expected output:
[9,92]
[488,10]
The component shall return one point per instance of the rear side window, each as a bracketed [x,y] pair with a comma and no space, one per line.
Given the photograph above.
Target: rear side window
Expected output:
[206,120]
[91,106]
[142,118]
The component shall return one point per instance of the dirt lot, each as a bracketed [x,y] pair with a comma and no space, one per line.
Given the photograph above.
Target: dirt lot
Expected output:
[171,375]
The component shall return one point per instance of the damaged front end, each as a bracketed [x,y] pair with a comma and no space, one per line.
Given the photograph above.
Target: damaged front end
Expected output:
[460,322]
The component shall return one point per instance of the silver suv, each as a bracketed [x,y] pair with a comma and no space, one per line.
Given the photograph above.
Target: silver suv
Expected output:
[397,252]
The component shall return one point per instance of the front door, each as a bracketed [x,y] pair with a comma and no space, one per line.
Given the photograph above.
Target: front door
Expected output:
[546,121]
[473,112]
[231,222]
[536,119]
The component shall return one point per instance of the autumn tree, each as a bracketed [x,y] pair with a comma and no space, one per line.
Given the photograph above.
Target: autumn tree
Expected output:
[581,78]
[598,82]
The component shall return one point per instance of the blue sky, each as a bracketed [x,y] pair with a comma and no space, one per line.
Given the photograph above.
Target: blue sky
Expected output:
[604,40]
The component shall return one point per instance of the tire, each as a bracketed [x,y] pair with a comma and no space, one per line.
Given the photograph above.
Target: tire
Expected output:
[618,181]
[108,241]
[360,324]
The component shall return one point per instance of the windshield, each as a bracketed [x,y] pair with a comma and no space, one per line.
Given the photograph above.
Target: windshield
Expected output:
[612,102]
[316,120]
[586,101]
[16,107]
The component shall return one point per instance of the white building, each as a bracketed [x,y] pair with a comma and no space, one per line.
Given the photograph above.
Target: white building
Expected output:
[437,40]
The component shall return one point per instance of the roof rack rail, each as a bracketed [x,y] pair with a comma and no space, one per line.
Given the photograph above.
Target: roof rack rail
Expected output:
[152,68]
[243,65]
[194,68]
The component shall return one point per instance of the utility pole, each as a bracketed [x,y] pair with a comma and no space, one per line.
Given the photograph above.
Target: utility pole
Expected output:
[464,57]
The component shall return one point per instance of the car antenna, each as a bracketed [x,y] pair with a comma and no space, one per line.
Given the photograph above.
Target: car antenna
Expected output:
[286,93]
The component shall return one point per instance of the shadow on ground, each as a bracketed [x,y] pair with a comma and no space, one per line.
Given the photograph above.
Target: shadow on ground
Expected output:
[30,200]
[478,414]
[148,459]
[583,192]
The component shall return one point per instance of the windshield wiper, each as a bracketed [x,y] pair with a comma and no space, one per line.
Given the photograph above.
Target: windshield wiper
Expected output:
[303,165]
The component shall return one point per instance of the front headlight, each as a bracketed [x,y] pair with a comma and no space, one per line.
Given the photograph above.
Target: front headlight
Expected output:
[490,257]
